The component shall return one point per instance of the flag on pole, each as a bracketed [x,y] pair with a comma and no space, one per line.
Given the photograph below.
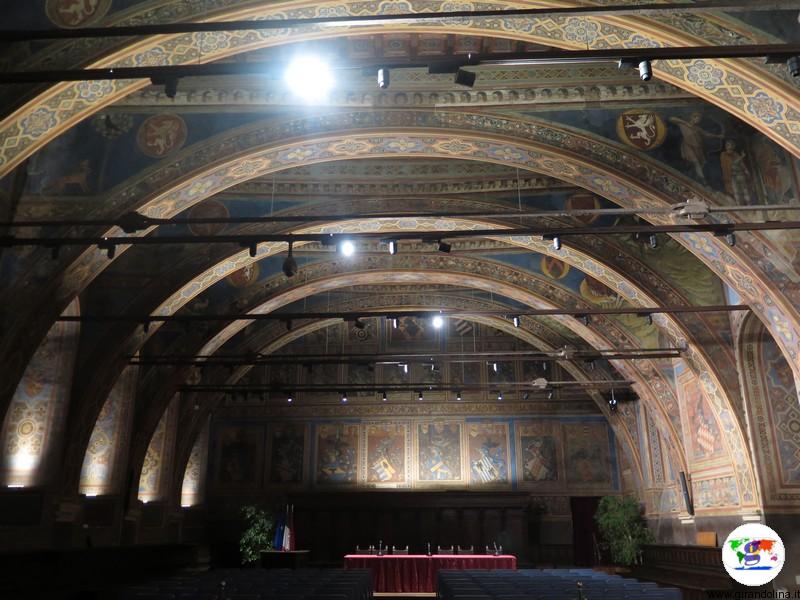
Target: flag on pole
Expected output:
[277,541]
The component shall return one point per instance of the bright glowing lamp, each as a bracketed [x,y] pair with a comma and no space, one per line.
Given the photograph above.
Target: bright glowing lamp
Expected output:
[438,322]
[309,78]
[347,248]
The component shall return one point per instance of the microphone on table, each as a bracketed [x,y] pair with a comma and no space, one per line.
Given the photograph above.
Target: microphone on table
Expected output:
[496,551]
[429,548]
[380,547]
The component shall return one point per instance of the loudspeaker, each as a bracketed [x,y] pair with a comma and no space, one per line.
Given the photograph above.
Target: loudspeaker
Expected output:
[686,498]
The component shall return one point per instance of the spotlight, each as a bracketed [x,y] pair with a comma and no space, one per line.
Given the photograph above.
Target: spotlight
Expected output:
[253,250]
[395,322]
[111,250]
[645,70]
[384,397]
[465,78]
[586,320]
[290,264]
[525,396]
[731,239]
[288,324]
[289,398]
[344,397]
[494,367]
[383,78]
[458,396]
[404,366]
[392,247]
[653,241]
[794,66]
[500,396]
[612,402]
[556,243]
[590,365]
[544,365]
[515,320]
[347,248]
[444,247]
[420,397]
[438,321]
[309,78]
[550,395]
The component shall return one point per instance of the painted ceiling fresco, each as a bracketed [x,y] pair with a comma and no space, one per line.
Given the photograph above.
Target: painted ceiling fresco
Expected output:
[554,139]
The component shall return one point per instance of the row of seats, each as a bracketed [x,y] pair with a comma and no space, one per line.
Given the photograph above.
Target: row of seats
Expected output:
[257,584]
[534,584]
[439,550]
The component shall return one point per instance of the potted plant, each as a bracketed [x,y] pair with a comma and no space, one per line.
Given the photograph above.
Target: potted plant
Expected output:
[623,529]
[257,536]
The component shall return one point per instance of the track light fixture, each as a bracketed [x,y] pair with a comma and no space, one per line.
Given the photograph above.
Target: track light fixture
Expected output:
[347,248]
[288,324]
[253,250]
[438,322]
[458,396]
[550,395]
[500,396]
[344,397]
[644,66]
[515,320]
[289,398]
[612,402]
[590,365]
[556,242]
[420,397]
[383,397]
[444,247]
[392,247]
[404,366]
[494,367]
[586,320]
[289,263]
[465,78]
[395,322]
[653,241]
[731,239]
[383,78]
[170,85]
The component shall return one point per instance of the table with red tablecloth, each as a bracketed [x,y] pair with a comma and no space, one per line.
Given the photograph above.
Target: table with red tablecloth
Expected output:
[417,572]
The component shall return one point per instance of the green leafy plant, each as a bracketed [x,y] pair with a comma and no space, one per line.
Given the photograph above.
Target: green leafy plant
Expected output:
[257,535]
[623,529]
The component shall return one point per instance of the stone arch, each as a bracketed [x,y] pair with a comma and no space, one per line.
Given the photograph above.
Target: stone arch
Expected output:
[754,95]
[621,429]
[773,415]
[33,427]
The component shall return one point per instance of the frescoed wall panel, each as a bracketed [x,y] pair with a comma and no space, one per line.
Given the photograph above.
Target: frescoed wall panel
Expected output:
[388,454]
[337,451]
[194,477]
[488,454]
[439,452]
[287,452]
[238,456]
[539,454]
[157,467]
[103,463]
[587,455]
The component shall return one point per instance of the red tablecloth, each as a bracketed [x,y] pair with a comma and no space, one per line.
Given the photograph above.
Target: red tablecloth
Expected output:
[417,572]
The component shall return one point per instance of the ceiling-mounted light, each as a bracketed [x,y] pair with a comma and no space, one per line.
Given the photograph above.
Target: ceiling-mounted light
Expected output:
[288,324]
[383,78]
[494,367]
[289,263]
[645,70]
[344,397]
[347,248]
[590,364]
[392,247]
[550,395]
[444,247]
[458,396]
[612,402]
[556,243]
[253,249]
[395,322]
[404,366]
[438,322]
[383,397]
[309,78]
[500,396]
[586,320]
[289,398]
[420,397]
[466,78]
[731,239]
[515,320]
[653,241]
[794,66]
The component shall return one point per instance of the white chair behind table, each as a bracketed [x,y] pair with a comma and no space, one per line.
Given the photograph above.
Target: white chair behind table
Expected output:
[444,550]
[396,550]
[466,550]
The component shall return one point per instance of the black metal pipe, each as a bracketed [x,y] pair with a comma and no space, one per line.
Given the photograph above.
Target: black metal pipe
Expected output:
[642,311]
[649,9]
[162,74]
[411,387]
[252,240]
